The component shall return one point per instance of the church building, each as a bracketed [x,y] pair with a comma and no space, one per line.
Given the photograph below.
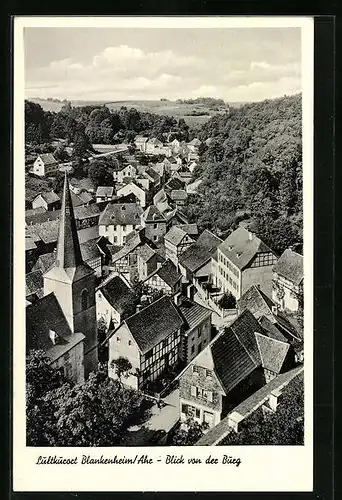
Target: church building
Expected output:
[72,282]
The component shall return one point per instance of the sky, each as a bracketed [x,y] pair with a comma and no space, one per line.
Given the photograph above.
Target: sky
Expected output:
[112,64]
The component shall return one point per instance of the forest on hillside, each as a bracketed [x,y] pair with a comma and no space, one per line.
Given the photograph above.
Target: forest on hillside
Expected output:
[252,172]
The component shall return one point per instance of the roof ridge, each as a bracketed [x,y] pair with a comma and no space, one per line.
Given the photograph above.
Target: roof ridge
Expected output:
[272,338]
[245,348]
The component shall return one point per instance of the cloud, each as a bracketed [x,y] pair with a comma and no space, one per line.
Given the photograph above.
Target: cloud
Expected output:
[122,72]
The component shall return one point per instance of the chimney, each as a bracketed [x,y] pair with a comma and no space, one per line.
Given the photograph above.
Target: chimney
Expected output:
[138,308]
[275,310]
[177,298]
[250,235]
[53,336]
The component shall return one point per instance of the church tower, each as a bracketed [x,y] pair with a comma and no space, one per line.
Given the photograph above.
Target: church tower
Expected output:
[73,282]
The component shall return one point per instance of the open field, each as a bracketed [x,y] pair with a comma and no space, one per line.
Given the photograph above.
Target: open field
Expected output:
[170,108]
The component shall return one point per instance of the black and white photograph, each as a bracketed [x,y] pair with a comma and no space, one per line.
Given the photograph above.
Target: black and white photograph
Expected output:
[164,218]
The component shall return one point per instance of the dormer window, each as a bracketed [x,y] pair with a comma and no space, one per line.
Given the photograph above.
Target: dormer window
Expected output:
[123,207]
[238,255]
[230,247]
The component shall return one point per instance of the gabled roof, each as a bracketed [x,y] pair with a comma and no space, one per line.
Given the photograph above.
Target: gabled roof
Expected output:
[105,191]
[190,229]
[38,216]
[121,214]
[47,158]
[195,142]
[177,214]
[154,323]
[46,231]
[152,214]
[140,138]
[146,252]
[167,272]
[152,174]
[49,196]
[272,352]
[155,141]
[44,315]
[81,198]
[290,266]
[200,252]
[256,301]
[128,248]
[271,330]
[90,250]
[241,246]
[174,183]
[29,244]
[86,211]
[175,235]
[193,313]
[119,295]
[44,262]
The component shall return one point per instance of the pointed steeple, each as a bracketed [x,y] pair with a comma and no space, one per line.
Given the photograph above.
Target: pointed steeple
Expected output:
[68,247]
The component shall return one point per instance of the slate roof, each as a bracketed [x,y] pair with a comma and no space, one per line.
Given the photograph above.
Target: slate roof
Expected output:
[105,191]
[121,214]
[29,244]
[190,229]
[49,196]
[34,283]
[240,249]
[290,266]
[177,214]
[43,315]
[82,198]
[153,174]
[232,361]
[130,247]
[119,295]
[90,250]
[86,211]
[154,323]
[200,252]
[167,272]
[47,158]
[175,235]
[44,262]
[193,313]
[46,231]
[152,214]
[146,252]
[38,216]
[271,329]
[178,195]
[240,349]
[272,352]
[174,183]
[256,301]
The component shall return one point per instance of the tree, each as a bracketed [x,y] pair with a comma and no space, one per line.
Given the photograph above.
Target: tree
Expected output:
[189,434]
[60,153]
[58,182]
[41,378]
[122,366]
[82,145]
[227,301]
[100,175]
[91,414]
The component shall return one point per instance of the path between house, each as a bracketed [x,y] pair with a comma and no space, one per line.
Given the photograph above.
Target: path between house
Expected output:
[160,419]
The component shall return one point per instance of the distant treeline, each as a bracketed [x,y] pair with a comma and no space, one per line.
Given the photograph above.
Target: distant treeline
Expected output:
[100,124]
[204,101]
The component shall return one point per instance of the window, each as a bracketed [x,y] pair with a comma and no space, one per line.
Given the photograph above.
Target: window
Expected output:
[164,343]
[118,339]
[195,369]
[193,390]
[123,228]
[199,332]
[155,238]
[129,342]
[207,373]
[198,412]
[155,226]
[84,300]
[115,239]
[192,349]
[184,409]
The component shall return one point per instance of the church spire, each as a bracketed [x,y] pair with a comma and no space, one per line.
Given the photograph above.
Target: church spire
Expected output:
[68,247]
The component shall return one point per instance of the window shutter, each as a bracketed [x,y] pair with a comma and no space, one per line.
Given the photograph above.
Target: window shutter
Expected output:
[193,391]
[209,396]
